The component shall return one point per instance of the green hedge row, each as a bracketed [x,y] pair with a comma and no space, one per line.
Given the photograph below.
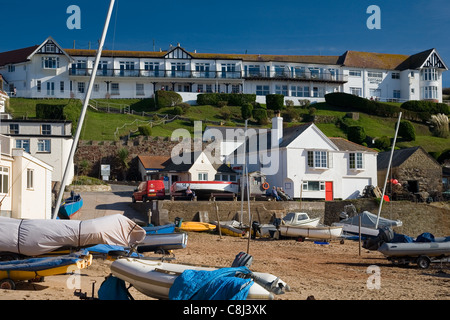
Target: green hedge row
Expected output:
[232,99]
[164,99]
[426,106]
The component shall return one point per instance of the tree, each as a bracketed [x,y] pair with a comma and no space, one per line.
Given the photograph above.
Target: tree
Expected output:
[356,134]
[122,156]
[246,111]
[406,130]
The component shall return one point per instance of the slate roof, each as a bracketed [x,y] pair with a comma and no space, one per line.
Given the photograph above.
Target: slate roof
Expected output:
[398,157]
[346,145]
[16,56]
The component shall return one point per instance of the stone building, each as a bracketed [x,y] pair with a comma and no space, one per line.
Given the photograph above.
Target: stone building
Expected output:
[414,169]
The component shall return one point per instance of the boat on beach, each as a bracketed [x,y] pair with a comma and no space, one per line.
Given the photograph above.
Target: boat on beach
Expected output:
[205,187]
[163,242]
[290,219]
[196,226]
[155,279]
[35,269]
[167,228]
[70,206]
[231,228]
[323,233]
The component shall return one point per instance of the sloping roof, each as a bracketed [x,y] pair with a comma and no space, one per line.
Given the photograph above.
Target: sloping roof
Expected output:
[373,60]
[184,167]
[346,145]
[398,157]
[16,56]
[153,162]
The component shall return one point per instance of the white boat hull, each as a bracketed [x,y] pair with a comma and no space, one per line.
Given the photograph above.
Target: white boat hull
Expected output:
[155,279]
[163,241]
[415,249]
[354,230]
[205,187]
[324,233]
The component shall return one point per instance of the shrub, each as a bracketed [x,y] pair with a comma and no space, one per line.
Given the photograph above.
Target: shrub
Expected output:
[145,130]
[440,125]
[185,107]
[49,111]
[260,115]
[356,134]
[222,104]
[275,101]
[166,99]
[426,106]
[178,111]
[407,131]
[290,114]
[225,113]
[246,111]
[232,99]
[383,143]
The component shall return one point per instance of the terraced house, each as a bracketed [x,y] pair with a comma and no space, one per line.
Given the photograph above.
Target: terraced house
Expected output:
[49,71]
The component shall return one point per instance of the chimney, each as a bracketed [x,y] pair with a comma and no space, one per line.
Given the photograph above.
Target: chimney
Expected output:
[277,129]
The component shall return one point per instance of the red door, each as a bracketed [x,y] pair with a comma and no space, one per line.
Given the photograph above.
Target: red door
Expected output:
[328,190]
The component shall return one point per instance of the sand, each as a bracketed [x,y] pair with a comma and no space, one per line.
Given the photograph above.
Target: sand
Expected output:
[331,271]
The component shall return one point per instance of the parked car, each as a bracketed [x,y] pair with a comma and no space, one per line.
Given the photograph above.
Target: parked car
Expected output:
[149,190]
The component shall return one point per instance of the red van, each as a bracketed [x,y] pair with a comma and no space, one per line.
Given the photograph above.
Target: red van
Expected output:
[149,190]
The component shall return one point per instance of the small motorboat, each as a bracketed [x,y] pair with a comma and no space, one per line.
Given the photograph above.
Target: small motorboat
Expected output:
[155,279]
[37,268]
[231,228]
[70,206]
[324,233]
[290,219]
[196,226]
[167,228]
[163,242]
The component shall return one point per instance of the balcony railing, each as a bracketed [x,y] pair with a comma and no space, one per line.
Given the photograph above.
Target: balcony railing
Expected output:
[158,73]
[187,74]
[296,75]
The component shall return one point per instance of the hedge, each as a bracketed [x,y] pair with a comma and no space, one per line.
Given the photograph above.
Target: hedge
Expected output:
[166,99]
[232,99]
[275,101]
[50,111]
[426,106]
[406,131]
[356,134]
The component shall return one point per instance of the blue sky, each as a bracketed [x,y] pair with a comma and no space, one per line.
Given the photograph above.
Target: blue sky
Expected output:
[256,27]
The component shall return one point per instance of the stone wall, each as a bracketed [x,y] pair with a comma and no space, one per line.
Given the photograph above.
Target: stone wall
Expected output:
[105,152]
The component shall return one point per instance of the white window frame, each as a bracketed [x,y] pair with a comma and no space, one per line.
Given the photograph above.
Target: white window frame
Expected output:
[318,159]
[46,129]
[44,145]
[356,161]
[30,179]
[308,185]
[4,180]
[23,144]
[203,176]
[50,62]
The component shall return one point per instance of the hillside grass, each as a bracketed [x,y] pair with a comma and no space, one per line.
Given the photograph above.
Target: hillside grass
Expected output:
[103,126]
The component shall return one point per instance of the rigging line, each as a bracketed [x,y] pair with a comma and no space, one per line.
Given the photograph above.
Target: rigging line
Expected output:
[114,32]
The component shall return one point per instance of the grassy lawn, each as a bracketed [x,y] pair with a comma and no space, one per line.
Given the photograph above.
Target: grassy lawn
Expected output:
[102,126]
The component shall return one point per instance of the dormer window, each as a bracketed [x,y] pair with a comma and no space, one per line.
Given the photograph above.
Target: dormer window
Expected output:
[50,62]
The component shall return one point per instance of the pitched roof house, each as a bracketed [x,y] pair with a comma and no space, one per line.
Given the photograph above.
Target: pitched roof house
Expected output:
[307,164]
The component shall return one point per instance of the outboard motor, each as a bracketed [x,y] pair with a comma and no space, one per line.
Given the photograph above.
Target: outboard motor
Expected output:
[178,222]
[242,260]
[385,234]
[255,228]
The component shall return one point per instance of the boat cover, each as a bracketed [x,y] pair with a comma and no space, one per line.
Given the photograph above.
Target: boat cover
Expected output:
[220,284]
[37,236]
[38,264]
[369,220]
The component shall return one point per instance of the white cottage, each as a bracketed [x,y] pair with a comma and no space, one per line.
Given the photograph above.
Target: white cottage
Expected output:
[308,164]
[25,184]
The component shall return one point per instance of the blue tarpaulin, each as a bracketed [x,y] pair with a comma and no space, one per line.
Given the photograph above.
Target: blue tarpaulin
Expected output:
[113,289]
[220,284]
[37,264]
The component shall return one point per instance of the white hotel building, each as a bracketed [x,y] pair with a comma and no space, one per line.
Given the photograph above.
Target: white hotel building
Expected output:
[49,71]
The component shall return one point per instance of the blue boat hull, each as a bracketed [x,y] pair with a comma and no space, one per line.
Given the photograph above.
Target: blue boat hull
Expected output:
[167,228]
[70,206]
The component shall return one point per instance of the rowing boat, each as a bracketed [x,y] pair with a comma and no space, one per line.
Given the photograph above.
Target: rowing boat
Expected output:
[196,226]
[324,232]
[155,279]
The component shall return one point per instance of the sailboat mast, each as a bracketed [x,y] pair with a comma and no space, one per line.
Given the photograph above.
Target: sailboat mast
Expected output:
[388,169]
[83,111]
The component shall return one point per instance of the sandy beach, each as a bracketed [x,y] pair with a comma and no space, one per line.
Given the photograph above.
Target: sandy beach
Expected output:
[325,272]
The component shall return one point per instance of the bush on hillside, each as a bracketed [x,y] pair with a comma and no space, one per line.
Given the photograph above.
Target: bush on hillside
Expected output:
[247,111]
[383,143]
[407,131]
[275,101]
[356,134]
[145,130]
[260,115]
[426,106]
[166,99]
[231,99]
[350,101]
[50,111]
